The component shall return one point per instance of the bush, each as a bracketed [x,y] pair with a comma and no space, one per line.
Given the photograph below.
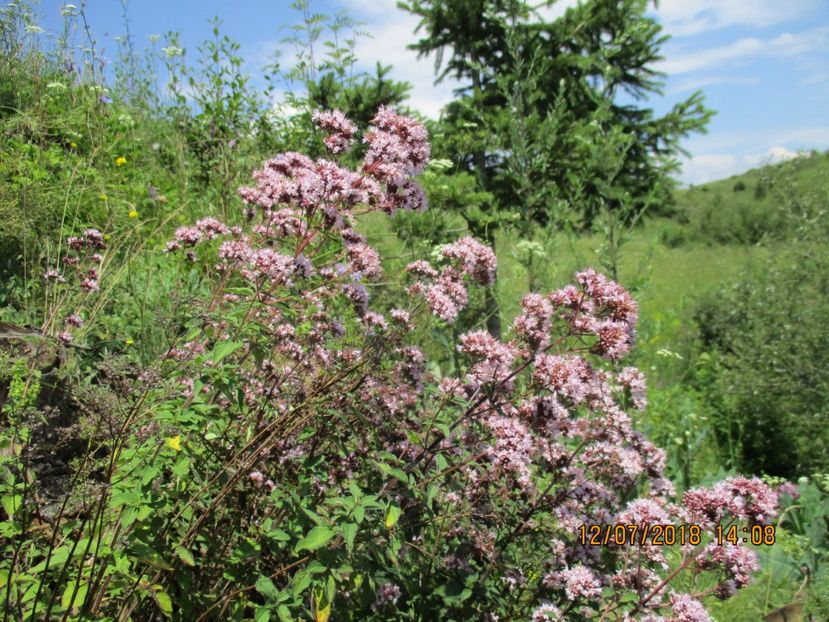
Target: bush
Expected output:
[673,234]
[291,457]
[766,372]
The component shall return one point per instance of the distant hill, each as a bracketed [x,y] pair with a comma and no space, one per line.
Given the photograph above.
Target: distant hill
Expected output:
[757,204]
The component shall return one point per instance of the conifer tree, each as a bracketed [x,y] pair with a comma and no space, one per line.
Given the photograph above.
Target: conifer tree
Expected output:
[554,108]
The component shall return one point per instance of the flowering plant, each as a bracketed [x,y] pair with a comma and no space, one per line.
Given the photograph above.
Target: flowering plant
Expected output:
[296,458]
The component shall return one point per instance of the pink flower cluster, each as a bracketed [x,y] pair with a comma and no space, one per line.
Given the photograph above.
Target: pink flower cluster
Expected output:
[386,597]
[739,562]
[742,498]
[546,613]
[494,358]
[204,230]
[84,262]
[529,441]
[580,582]
[512,450]
[687,609]
[340,131]
[476,260]
[398,149]
[597,308]
[445,291]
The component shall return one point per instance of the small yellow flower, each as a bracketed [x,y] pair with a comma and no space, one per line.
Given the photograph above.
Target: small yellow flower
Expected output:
[103,196]
[132,214]
[107,236]
[129,342]
[73,145]
[174,442]
[120,161]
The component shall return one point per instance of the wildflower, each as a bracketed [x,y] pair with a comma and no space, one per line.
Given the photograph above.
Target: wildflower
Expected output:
[421,268]
[64,337]
[741,497]
[105,99]
[120,161]
[340,130]
[477,260]
[94,238]
[513,449]
[73,320]
[634,380]
[580,582]
[401,318]
[103,196]
[90,285]
[386,597]
[173,442]
[441,304]
[364,260]
[73,145]
[132,214]
[568,376]
[495,358]
[534,323]
[129,342]
[688,609]
[53,275]
[546,613]
[787,489]
[738,561]
[256,477]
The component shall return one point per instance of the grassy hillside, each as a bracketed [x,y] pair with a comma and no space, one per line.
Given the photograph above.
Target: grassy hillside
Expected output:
[753,206]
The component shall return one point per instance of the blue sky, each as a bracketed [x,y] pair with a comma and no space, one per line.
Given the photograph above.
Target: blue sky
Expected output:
[763,64]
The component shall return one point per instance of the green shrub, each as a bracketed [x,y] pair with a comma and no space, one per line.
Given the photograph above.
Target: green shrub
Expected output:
[766,375]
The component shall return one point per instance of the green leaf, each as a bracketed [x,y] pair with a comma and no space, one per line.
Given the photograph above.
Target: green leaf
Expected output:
[262,614]
[392,515]
[58,557]
[72,598]
[266,587]
[224,349]
[315,539]
[349,533]
[301,582]
[453,593]
[164,603]
[11,503]
[359,513]
[279,535]
[431,493]
[185,556]
[394,472]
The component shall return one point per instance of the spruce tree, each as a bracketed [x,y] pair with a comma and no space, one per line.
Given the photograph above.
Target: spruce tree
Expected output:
[554,111]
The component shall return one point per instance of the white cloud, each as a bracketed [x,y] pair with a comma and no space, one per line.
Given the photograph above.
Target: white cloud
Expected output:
[778,154]
[695,84]
[690,17]
[390,35]
[730,153]
[392,29]
[785,45]
[708,166]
